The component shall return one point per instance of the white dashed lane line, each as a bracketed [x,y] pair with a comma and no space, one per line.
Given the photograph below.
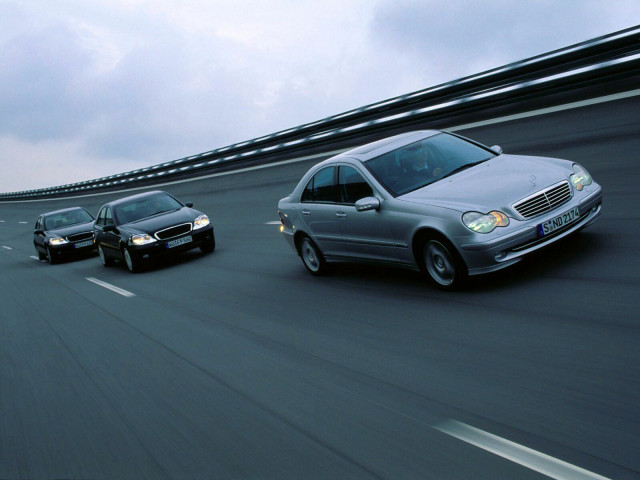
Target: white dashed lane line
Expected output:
[24,223]
[34,257]
[552,467]
[7,248]
[275,222]
[113,288]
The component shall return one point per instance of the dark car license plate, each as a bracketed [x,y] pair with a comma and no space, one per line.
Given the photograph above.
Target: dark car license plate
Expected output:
[179,241]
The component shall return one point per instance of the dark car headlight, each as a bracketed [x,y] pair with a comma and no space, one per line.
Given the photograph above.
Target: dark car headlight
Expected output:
[201,221]
[142,239]
[580,177]
[55,241]
[485,222]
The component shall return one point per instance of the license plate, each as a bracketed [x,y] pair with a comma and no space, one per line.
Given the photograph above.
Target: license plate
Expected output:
[83,244]
[560,221]
[179,241]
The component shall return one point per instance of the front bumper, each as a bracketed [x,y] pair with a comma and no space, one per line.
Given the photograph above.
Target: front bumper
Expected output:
[201,237]
[71,249]
[501,252]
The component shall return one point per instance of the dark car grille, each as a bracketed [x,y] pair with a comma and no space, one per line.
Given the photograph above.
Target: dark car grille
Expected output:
[78,237]
[544,200]
[171,232]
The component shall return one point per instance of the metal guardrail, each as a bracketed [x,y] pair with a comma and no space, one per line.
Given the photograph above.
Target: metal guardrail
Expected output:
[616,54]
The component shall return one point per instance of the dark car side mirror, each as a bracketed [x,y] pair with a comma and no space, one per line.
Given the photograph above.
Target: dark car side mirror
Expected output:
[38,232]
[190,205]
[110,228]
[367,203]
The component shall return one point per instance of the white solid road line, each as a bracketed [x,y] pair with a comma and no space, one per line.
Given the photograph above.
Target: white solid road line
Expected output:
[552,467]
[113,288]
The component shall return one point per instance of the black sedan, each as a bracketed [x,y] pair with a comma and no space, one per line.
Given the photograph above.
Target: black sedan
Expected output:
[136,228]
[63,233]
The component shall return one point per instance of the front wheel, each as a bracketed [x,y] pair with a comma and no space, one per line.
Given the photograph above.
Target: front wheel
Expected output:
[41,256]
[106,261]
[312,257]
[442,264]
[208,247]
[52,260]
[132,260]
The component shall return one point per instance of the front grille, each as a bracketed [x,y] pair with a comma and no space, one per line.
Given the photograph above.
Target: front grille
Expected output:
[78,237]
[171,232]
[544,200]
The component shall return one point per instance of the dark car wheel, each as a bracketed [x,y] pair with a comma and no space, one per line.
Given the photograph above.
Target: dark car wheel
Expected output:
[210,246]
[52,260]
[106,261]
[41,256]
[312,257]
[442,264]
[132,260]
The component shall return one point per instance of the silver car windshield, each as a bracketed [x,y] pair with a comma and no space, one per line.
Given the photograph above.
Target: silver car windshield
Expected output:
[145,207]
[424,162]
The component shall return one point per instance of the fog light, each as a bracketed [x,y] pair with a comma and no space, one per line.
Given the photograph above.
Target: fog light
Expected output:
[500,255]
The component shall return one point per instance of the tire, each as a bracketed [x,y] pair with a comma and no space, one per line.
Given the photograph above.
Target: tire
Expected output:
[210,246]
[312,257]
[41,256]
[132,261]
[106,261]
[52,260]
[442,264]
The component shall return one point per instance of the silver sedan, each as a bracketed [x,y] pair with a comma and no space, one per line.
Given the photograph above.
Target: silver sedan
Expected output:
[436,202]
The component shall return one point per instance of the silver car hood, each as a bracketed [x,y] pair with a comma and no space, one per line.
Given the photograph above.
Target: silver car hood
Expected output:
[493,185]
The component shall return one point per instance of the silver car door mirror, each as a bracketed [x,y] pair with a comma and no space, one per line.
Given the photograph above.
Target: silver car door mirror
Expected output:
[367,203]
[497,149]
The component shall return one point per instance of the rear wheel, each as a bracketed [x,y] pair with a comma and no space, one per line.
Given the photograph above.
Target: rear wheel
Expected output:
[132,260]
[312,257]
[442,264]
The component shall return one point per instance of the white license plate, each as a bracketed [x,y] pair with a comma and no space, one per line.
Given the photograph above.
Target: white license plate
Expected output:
[560,221]
[179,241]
[83,244]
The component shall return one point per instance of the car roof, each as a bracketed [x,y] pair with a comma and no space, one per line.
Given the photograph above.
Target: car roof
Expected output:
[63,210]
[134,197]
[380,147]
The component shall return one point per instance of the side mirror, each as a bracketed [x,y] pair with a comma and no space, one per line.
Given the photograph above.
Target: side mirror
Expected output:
[38,232]
[367,203]
[110,228]
[497,149]
[190,205]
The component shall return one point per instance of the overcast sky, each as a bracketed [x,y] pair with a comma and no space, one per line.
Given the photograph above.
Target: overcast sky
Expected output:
[91,88]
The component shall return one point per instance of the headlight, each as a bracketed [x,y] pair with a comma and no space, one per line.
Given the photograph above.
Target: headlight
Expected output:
[142,239]
[201,221]
[485,222]
[57,241]
[580,177]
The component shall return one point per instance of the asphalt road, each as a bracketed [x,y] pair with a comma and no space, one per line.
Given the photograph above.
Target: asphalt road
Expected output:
[241,365]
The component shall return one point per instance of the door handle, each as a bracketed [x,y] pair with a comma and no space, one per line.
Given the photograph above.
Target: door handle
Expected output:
[306,212]
[341,215]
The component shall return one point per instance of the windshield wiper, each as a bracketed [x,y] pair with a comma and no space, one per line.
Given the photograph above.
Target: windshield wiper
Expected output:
[461,168]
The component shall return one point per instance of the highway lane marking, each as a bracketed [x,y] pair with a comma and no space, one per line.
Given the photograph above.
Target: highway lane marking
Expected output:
[34,257]
[275,222]
[113,288]
[532,459]
[508,118]
[23,222]
[8,248]
[2,221]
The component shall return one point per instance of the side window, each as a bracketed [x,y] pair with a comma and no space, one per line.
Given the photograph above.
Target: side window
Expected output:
[108,217]
[100,219]
[38,224]
[352,185]
[321,187]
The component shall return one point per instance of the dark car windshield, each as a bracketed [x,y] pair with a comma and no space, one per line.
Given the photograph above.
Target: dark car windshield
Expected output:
[65,219]
[138,209]
[420,163]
